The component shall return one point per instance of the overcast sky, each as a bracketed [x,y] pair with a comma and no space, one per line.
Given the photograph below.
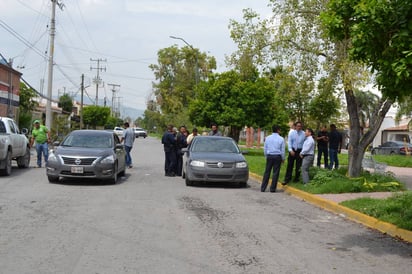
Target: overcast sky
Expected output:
[127,33]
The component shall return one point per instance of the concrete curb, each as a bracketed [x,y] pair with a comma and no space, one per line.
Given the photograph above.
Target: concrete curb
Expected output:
[348,213]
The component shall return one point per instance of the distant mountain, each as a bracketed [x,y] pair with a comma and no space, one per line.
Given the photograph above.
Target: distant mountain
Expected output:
[125,111]
[133,113]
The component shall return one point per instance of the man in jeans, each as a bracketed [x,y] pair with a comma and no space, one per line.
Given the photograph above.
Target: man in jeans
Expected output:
[41,135]
[335,145]
[128,138]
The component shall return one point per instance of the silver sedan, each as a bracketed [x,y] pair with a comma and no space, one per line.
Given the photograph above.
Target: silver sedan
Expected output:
[87,154]
[214,159]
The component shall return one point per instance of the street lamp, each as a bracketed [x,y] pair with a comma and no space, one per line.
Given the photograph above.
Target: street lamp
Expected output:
[197,59]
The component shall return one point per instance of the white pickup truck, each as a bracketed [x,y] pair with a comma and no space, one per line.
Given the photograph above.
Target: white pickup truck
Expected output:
[14,145]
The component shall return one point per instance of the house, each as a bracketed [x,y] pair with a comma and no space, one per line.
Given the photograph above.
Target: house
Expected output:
[9,90]
[398,133]
[390,130]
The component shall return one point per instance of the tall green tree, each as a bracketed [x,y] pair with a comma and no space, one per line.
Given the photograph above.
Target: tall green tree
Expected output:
[177,73]
[229,101]
[298,39]
[66,103]
[274,53]
[94,116]
[26,105]
[377,33]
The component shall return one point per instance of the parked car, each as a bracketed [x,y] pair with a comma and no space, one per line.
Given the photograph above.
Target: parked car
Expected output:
[118,131]
[140,132]
[392,147]
[14,145]
[87,154]
[214,159]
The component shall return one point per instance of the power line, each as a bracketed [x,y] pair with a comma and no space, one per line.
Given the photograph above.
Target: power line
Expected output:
[21,38]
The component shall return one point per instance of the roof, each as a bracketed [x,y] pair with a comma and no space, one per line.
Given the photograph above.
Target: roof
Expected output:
[404,127]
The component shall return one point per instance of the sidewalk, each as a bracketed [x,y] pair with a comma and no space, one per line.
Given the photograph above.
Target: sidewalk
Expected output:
[330,202]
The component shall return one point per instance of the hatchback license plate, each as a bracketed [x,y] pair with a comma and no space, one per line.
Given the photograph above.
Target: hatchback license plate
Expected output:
[77,169]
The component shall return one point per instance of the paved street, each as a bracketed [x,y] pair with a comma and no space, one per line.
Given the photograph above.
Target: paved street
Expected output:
[149,223]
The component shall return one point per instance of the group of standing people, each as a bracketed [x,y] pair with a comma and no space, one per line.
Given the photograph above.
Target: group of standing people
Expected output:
[173,141]
[301,153]
[329,145]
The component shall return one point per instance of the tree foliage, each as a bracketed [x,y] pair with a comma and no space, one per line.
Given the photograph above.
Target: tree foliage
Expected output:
[381,36]
[66,103]
[177,72]
[229,101]
[94,116]
[26,105]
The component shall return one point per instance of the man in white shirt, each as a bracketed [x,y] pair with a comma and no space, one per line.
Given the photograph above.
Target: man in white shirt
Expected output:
[307,154]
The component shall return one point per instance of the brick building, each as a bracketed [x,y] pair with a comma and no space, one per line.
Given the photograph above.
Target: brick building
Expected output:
[9,90]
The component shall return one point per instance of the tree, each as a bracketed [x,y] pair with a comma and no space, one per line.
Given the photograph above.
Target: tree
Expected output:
[377,33]
[322,106]
[66,103]
[227,100]
[177,73]
[298,40]
[26,105]
[274,51]
[94,116]
[381,36]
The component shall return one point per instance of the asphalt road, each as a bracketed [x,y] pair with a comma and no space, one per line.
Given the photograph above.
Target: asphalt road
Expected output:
[149,223]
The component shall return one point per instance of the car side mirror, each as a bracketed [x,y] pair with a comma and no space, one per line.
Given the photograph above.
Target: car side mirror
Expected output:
[24,131]
[184,150]
[119,146]
[244,152]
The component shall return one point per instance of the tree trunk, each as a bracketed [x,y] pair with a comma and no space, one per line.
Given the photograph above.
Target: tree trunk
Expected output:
[234,133]
[358,142]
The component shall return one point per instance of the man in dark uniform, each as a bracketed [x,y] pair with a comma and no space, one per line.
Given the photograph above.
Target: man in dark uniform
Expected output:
[323,139]
[180,143]
[169,145]
[335,145]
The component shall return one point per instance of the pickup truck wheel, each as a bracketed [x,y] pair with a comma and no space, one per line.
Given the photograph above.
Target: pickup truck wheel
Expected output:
[24,161]
[7,165]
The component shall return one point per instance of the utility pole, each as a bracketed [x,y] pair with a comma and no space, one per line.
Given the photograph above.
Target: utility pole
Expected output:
[114,86]
[81,102]
[50,66]
[97,79]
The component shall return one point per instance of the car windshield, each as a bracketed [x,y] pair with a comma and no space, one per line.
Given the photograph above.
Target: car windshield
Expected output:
[215,145]
[88,141]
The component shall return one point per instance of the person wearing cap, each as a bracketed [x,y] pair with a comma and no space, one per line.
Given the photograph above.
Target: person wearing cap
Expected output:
[40,135]
[307,154]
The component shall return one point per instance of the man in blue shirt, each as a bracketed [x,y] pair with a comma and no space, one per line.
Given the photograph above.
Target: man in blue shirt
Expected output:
[128,138]
[274,150]
[295,143]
